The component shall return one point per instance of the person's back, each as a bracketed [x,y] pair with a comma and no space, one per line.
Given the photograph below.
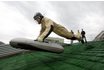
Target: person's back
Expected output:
[57,28]
[83,33]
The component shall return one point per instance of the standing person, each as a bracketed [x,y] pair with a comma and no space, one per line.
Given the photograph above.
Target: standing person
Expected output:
[83,35]
[48,26]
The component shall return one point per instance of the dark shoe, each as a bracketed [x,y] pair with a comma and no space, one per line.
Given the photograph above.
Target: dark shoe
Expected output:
[82,41]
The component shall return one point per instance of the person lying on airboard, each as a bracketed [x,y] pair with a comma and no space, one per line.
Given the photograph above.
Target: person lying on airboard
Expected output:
[48,26]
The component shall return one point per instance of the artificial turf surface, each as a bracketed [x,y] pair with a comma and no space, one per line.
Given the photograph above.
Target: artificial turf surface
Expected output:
[88,56]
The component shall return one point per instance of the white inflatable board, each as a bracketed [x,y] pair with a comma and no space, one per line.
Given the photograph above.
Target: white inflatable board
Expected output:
[29,44]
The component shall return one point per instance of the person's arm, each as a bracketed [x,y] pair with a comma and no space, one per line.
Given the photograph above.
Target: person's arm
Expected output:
[46,32]
[41,31]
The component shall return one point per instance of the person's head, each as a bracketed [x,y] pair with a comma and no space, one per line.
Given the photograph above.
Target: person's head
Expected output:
[78,30]
[38,17]
[82,29]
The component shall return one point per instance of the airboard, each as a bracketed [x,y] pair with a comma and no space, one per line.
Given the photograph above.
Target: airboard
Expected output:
[29,44]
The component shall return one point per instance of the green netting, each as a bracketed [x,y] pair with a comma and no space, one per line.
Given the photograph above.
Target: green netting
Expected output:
[88,56]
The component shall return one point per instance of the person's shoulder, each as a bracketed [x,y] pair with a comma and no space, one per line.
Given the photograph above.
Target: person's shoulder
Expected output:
[83,31]
[45,17]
